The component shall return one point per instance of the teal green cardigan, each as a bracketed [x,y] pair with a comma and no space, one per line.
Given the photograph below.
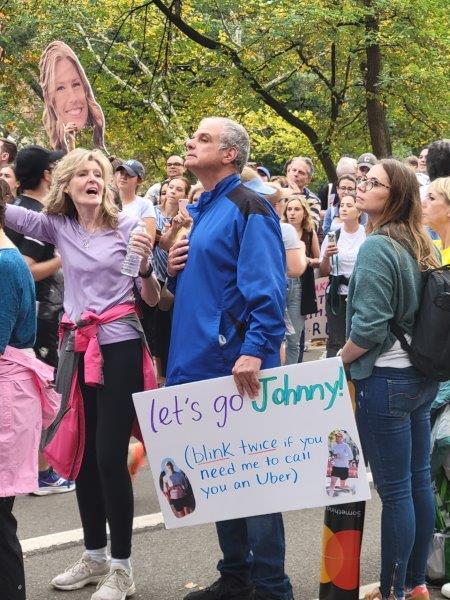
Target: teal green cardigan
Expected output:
[386,283]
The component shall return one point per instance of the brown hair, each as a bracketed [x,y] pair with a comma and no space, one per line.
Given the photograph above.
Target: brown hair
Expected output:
[10,147]
[5,196]
[54,127]
[307,223]
[346,177]
[58,200]
[401,219]
[187,187]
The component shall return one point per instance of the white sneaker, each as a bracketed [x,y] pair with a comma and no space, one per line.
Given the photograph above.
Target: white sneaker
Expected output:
[118,584]
[84,572]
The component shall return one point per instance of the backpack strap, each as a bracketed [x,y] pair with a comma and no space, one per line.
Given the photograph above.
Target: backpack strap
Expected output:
[400,335]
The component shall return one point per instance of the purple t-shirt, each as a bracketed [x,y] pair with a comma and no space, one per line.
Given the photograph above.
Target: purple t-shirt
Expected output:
[91,264]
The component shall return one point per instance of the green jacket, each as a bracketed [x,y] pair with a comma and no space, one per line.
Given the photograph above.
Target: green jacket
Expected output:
[386,283]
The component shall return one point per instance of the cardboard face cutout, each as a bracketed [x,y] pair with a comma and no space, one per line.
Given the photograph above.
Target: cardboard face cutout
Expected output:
[68,97]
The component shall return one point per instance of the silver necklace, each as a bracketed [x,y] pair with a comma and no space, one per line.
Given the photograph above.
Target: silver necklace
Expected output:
[86,236]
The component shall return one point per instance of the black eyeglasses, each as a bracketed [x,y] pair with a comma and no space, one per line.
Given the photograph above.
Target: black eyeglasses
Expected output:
[369,184]
[177,164]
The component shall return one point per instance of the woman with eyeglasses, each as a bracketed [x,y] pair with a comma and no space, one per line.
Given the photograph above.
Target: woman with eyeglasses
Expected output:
[393,398]
[337,259]
[346,184]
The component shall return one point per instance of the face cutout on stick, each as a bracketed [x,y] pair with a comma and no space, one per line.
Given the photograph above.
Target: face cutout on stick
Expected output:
[68,96]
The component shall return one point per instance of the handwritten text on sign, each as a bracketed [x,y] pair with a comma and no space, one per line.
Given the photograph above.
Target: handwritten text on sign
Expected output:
[215,455]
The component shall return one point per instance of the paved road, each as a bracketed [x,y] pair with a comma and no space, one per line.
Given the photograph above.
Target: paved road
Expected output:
[167,564]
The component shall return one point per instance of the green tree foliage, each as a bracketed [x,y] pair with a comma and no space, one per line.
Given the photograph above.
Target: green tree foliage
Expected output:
[323,77]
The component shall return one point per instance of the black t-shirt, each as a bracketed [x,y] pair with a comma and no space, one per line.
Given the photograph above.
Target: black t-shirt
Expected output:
[34,249]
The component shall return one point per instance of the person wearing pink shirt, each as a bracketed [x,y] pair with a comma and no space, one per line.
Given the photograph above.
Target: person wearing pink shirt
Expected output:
[27,402]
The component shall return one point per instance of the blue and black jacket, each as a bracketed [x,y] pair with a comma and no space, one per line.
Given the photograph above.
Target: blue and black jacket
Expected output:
[230,297]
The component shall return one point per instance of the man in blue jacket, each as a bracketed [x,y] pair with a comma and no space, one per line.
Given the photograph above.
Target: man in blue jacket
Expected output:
[228,318]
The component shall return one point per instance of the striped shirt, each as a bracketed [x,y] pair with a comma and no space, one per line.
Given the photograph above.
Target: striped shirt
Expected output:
[160,256]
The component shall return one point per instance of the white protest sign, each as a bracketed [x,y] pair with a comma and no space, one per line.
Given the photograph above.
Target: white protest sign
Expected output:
[316,323]
[215,455]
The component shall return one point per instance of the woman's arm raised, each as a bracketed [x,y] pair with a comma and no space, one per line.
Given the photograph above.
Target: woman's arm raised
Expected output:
[37,225]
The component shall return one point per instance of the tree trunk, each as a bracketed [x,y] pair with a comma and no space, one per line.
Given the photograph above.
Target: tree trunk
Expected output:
[376,111]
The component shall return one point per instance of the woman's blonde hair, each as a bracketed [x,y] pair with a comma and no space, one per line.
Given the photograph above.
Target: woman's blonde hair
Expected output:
[441,186]
[54,127]
[194,189]
[58,201]
[307,223]
[401,219]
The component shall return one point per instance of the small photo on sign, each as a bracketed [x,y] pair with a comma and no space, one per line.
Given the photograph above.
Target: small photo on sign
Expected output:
[177,489]
[342,465]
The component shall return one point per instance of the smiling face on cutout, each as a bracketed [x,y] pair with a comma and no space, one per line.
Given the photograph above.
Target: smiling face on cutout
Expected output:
[68,94]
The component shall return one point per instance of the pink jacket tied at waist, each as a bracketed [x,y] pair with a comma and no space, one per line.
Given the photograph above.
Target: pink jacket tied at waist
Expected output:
[64,444]
[28,403]
[86,339]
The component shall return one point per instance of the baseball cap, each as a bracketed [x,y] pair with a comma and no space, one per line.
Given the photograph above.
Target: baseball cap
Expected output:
[32,161]
[264,171]
[368,159]
[133,167]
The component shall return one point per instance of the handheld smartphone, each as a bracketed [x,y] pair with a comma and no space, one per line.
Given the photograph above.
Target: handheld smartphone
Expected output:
[332,238]
[183,203]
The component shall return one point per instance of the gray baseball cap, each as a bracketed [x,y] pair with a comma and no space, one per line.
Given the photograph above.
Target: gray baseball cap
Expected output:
[368,159]
[133,167]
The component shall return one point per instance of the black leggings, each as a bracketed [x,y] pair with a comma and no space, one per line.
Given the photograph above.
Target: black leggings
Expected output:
[104,490]
[12,577]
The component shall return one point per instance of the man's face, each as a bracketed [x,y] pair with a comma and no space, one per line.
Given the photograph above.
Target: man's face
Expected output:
[298,172]
[203,148]
[174,167]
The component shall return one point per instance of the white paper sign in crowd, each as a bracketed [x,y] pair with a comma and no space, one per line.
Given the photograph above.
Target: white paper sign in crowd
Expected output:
[215,455]
[316,324]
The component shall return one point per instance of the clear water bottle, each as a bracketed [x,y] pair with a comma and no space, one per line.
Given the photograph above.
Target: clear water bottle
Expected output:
[132,262]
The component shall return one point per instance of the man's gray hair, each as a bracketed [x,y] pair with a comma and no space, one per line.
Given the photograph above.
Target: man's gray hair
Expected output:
[346,166]
[308,162]
[235,136]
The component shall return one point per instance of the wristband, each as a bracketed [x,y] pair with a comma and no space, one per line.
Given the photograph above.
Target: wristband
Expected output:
[147,273]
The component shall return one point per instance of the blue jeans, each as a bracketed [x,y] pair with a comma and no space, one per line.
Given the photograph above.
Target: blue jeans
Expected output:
[253,553]
[393,417]
[293,305]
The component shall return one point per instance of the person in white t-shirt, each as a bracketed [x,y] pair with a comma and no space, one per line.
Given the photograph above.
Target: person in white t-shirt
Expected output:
[128,176]
[337,259]
[342,455]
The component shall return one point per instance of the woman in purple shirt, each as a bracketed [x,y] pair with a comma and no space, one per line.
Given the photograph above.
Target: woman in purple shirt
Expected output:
[83,222]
